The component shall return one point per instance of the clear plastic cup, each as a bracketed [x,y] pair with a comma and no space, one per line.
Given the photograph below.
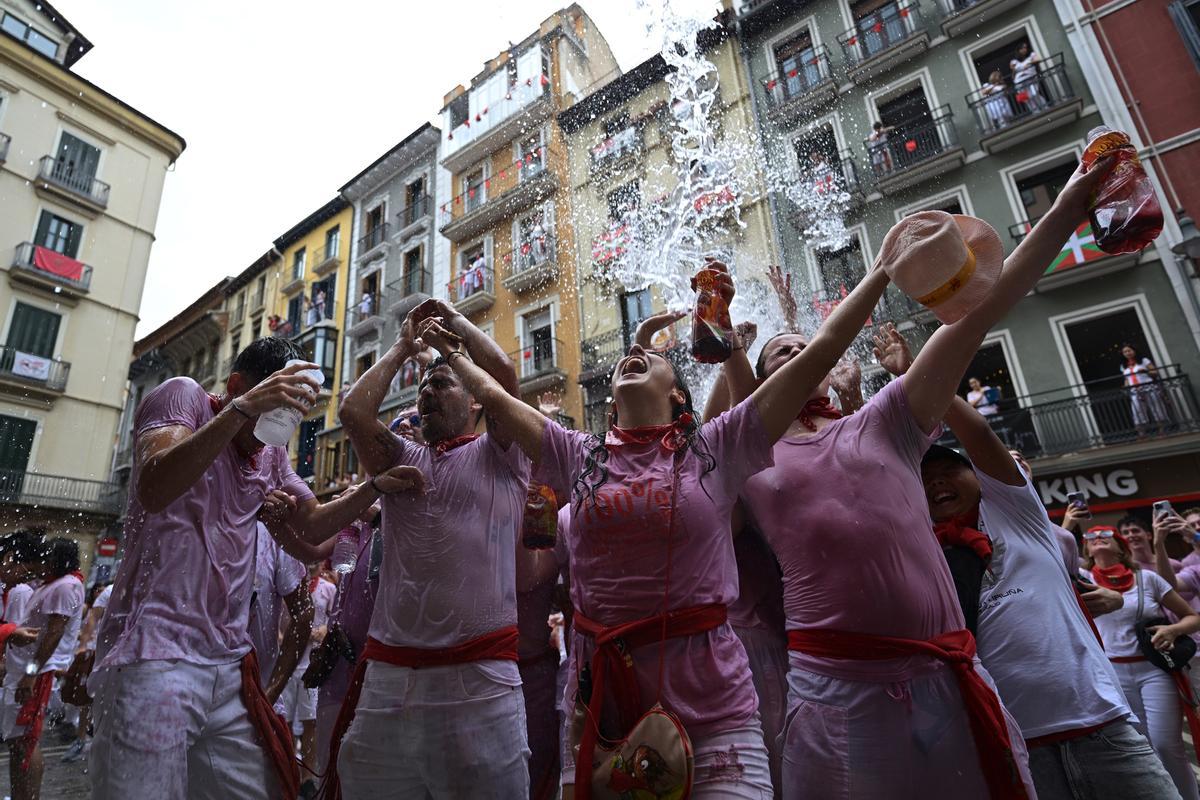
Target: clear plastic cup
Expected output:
[275,427]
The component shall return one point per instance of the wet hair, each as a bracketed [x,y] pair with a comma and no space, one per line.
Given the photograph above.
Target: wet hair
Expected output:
[61,555]
[760,366]
[1132,519]
[24,545]
[438,363]
[595,473]
[877,126]
[265,356]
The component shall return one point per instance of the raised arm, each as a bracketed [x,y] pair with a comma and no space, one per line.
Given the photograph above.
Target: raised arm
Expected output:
[1164,526]
[523,422]
[783,395]
[931,383]
[373,443]
[983,446]
[314,522]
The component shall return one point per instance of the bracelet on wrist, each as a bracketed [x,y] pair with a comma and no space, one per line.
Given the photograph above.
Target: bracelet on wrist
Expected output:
[240,410]
[450,356]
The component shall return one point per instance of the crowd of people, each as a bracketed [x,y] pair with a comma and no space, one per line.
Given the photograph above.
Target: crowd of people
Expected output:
[774,595]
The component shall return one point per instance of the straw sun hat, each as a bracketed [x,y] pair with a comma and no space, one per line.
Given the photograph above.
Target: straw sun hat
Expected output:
[946,262]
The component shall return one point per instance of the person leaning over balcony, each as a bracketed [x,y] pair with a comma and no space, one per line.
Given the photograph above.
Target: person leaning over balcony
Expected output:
[435,707]
[881,154]
[1146,400]
[1155,696]
[179,708]
[1024,67]
[996,93]
[671,548]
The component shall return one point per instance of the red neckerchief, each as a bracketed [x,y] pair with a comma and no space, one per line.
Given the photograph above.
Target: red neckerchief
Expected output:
[963,531]
[819,407]
[1118,577]
[446,445]
[216,405]
[672,436]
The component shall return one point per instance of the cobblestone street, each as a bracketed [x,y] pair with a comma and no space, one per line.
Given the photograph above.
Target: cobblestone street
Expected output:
[60,781]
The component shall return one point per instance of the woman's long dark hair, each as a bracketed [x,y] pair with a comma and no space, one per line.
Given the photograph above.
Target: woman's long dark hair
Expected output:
[595,471]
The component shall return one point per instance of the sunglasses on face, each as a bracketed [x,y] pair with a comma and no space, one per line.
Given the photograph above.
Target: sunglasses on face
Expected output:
[1090,535]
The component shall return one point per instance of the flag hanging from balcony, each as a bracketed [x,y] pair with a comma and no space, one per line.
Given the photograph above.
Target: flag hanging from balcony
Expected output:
[57,264]
[26,365]
[1079,250]
[903,13]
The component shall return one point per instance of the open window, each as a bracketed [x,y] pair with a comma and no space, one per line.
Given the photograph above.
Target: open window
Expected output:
[635,307]
[797,63]
[1039,189]
[623,201]
[840,270]
[537,345]
[909,134]
[474,190]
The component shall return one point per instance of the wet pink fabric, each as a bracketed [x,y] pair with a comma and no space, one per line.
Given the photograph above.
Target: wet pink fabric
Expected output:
[183,589]
[844,510]
[617,546]
[352,609]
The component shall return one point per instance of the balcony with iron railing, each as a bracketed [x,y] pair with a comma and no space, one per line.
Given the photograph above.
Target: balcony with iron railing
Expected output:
[823,188]
[538,367]
[598,354]
[412,288]
[510,189]
[960,16]
[5,141]
[416,212]
[31,376]
[320,314]
[328,259]
[802,89]
[366,315]
[530,264]
[256,301]
[473,289]
[50,270]
[59,492]
[1009,115]
[615,149]
[371,242]
[1104,413]
[885,38]
[63,178]
[239,313]
[916,152]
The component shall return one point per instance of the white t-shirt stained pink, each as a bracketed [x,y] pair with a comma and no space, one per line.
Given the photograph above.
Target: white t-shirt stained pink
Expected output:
[18,601]
[449,563]
[276,575]
[63,597]
[617,545]
[844,510]
[183,589]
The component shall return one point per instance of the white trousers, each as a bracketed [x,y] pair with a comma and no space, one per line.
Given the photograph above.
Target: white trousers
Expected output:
[768,655]
[1154,700]
[437,732]
[297,704]
[172,730]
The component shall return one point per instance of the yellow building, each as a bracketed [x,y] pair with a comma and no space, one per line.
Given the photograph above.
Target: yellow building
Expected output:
[619,143]
[81,177]
[250,302]
[309,306]
[508,212]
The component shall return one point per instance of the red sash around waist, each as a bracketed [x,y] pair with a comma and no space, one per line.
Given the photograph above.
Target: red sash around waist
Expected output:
[276,733]
[611,662]
[32,714]
[957,649]
[500,644]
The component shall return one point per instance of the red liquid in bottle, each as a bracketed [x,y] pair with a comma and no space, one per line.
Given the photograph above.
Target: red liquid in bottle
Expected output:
[711,326]
[1124,211]
[539,527]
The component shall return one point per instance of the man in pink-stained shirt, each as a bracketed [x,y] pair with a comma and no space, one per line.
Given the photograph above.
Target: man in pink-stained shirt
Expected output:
[179,705]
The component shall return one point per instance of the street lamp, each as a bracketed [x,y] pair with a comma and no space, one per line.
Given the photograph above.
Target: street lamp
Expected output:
[1189,244]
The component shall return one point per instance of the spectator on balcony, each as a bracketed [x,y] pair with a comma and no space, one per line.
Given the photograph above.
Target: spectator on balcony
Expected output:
[537,240]
[824,180]
[1024,67]
[881,154]
[982,398]
[320,305]
[1153,694]
[366,305]
[1146,399]
[310,313]
[995,94]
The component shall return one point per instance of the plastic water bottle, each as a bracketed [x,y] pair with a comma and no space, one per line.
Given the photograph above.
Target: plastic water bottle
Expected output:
[275,427]
[345,551]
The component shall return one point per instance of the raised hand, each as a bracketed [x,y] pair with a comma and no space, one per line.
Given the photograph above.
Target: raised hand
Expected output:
[283,388]
[651,325]
[432,333]
[277,507]
[747,333]
[550,404]
[846,377]
[400,479]
[891,350]
[781,282]
[432,307]
[1076,196]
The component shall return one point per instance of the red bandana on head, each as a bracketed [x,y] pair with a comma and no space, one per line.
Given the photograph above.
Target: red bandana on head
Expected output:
[673,437]
[446,445]
[820,407]
[963,531]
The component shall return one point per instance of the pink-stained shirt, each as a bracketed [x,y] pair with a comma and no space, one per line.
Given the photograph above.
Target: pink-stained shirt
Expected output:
[183,589]
[1192,559]
[16,603]
[618,549]
[59,597]
[844,510]
[449,555]
[760,599]
[352,609]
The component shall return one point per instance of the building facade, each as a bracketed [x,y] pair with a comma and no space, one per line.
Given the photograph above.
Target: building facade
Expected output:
[972,123]
[398,260]
[619,141]
[507,210]
[250,301]
[81,177]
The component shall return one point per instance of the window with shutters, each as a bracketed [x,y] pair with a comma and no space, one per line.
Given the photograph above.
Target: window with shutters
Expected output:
[33,330]
[16,443]
[77,161]
[58,234]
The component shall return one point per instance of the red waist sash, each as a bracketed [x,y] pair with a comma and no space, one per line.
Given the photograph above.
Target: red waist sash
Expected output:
[499,644]
[276,733]
[611,662]
[957,649]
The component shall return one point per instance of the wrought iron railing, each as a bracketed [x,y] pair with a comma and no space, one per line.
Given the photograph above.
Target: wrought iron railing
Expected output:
[24,260]
[316,313]
[64,173]
[1096,414]
[533,164]
[56,491]
[412,281]
[368,305]
[417,209]
[34,369]
[996,108]
[880,31]
[536,251]
[909,145]
[373,237]
[471,281]
[810,72]
[623,142]
[5,141]
[537,358]
[603,351]
[328,254]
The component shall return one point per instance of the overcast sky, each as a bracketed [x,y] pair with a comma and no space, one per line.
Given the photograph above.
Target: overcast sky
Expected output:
[283,101]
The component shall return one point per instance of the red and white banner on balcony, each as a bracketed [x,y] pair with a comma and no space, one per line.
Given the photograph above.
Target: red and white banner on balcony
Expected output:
[56,263]
[26,365]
